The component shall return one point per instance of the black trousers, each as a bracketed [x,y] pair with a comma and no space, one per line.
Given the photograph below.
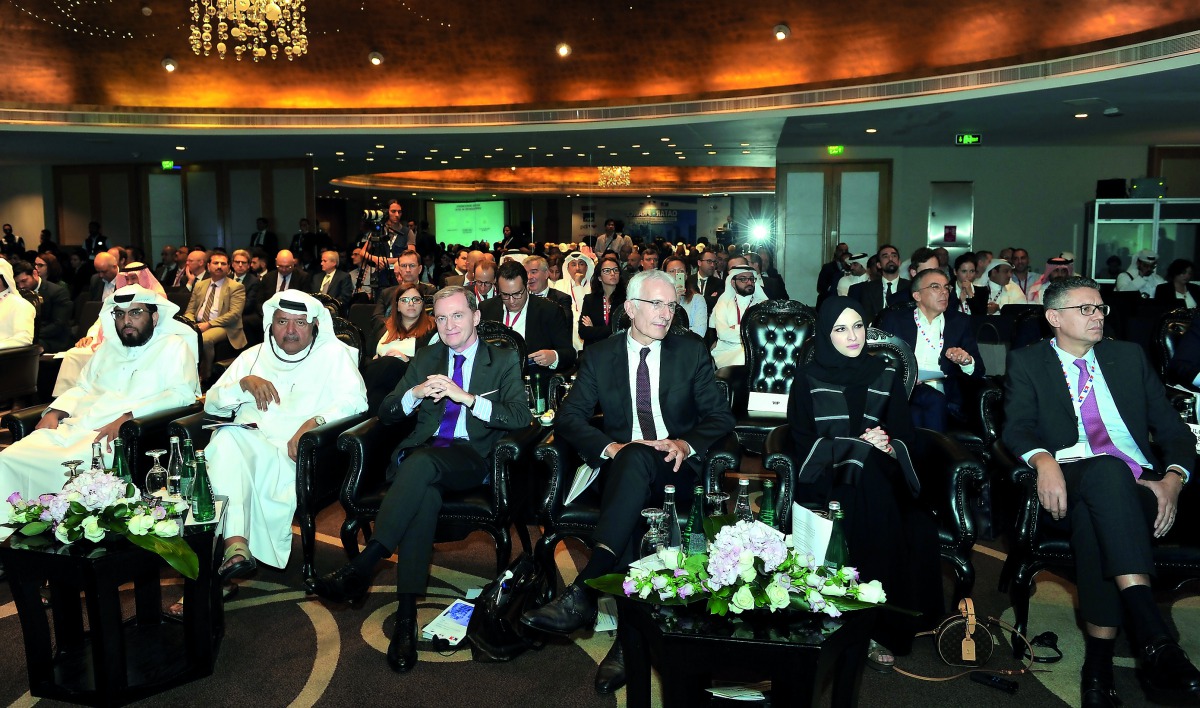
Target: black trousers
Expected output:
[1111,519]
[408,516]
[634,480]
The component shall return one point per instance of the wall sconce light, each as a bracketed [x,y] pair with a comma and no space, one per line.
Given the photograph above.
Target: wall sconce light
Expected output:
[782,31]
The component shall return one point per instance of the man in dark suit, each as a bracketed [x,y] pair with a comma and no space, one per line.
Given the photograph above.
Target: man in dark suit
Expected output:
[544,326]
[263,238]
[662,412]
[462,268]
[54,315]
[96,242]
[944,345]
[333,282]
[240,261]
[708,283]
[104,282]
[889,289]
[286,276]
[831,273]
[1097,475]
[537,272]
[1184,367]
[164,272]
[466,395]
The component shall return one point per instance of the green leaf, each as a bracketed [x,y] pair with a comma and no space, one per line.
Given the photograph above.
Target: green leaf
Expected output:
[713,524]
[696,564]
[77,508]
[718,605]
[610,584]
[174,551]
[33,528]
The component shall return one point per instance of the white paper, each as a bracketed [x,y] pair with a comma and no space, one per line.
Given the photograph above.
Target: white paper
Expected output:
[924,375]
[585,474]
[191,519]
[751,692]
[810,533]
[606,614]
[768,405]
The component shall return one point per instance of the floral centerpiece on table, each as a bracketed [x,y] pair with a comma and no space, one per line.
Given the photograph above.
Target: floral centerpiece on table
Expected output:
[95,503]
[748,566]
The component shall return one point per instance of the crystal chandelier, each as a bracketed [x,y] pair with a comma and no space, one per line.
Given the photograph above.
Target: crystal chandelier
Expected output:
[614,177]
[254,27]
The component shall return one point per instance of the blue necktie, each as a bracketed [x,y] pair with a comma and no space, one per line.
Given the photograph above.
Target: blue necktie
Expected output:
[445,434]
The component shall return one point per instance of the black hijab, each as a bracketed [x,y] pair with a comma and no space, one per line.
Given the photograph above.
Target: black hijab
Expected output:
[829,364]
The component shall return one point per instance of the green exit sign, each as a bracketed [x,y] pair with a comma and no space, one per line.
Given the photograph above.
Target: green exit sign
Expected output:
[168,164]
[968,139]
[836,149]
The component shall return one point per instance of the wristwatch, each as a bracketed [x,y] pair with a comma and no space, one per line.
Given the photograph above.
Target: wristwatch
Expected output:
[471,405]
[1181,472]
[320,421]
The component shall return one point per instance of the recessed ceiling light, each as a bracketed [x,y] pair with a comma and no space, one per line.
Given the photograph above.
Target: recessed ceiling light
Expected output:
[414,194]
[487,157]
[341,159]
[645,153]
[370,152]
[337,191]
[745,145]
[339,153]
[782,31]
[513,168]
[533,147]
[180,147]
[635,147]
[679,152]
[599,147]
[315,168]
[433,149]
[458,157]
[402,152]
[499,149]
[707,145]
[563,49]
[671,145]
[579,154]
[370,159]
[566,147]
[613,154]
[712,152]
[518,156]
[375,58]
[872,130]
[466,149]
[379,147]
[549,154]
[428,157]
[1081,115]
[170,64]
[665,140]
[683,157]
[444,162]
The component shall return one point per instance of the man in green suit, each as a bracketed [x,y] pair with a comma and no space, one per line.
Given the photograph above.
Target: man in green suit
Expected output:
[466,395]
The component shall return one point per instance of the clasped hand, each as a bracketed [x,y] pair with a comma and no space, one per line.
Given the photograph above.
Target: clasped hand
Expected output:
[439,386]
[878,437]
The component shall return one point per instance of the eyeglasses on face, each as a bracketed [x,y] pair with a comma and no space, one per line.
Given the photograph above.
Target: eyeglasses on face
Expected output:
[609,271]
[657,305]
[136,313]
[936,287]
[743,279]
[513,296]
[411,300]
[1087,310]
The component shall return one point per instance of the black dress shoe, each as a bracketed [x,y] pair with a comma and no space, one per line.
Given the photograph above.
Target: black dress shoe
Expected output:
[574,609]
[1167,675]
[346,584]
[1097,692]
[402,651]
[611,674]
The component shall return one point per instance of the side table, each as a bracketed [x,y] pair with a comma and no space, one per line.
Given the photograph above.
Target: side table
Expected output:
[113,661]
[690,646]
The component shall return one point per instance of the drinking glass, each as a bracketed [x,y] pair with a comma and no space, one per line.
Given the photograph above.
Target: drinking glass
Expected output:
[716,502]
[72,470]
[156,478]
[653,535]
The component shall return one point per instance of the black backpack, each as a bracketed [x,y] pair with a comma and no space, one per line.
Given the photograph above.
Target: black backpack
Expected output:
[495,632]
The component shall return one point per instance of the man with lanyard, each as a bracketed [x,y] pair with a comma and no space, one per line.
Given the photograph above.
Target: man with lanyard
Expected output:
[543,325]
[1022,276]
[1081,410]
[742,290]
[483,282]
[944,345]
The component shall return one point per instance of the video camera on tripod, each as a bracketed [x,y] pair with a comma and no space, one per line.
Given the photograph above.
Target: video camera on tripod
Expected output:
[375,219]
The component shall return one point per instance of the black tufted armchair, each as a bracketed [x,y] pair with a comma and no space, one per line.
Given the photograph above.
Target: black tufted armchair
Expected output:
[949,475]
[578,519]
[773,333]
[1171,328]
[487,508]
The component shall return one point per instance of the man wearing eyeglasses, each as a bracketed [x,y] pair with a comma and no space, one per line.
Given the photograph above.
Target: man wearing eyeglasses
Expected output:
[1081,410]
[145,364]
[944,345]
[662,412]
[544,325]
[407,270]
[483,280]
[742,290]
[54,316]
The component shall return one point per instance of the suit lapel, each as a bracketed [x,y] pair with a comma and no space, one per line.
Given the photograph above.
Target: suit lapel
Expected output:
[1108,364]
[1053,367]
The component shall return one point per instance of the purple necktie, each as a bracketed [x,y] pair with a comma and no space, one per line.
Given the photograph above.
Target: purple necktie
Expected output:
[1093,424]
[645,413]
[445,434]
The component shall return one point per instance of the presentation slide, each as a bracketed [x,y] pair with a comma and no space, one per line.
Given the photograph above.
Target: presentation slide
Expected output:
[463,222]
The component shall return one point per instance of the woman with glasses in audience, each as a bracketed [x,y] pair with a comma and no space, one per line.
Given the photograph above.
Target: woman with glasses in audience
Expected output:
[690,300]
[1178,291]
[851,432]
[604,302]
[48,268]
[407,329]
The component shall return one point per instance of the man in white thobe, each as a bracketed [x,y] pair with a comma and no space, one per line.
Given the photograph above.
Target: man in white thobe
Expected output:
[576,282]
[147,363]
[299,377]
[742,289]
[16,313]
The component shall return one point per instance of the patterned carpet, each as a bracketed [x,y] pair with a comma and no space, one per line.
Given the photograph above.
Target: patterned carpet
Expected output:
[282,648]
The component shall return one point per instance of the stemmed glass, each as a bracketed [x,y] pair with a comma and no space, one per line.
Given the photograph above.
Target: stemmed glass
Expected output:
[716,502]
[156,478]
[653,534]
[72,470]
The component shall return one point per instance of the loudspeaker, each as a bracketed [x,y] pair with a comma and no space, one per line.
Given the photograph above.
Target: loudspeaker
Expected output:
[1111,189]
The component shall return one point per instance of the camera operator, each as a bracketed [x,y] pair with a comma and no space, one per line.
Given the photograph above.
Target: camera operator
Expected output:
[394,238]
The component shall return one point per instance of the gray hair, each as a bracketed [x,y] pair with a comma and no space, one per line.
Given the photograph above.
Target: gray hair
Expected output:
[1056,295]
[336,257]
[919,278]
[633,290]
[452,290]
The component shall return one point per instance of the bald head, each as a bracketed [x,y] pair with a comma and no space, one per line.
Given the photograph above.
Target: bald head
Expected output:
[285,262]
[106,265]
